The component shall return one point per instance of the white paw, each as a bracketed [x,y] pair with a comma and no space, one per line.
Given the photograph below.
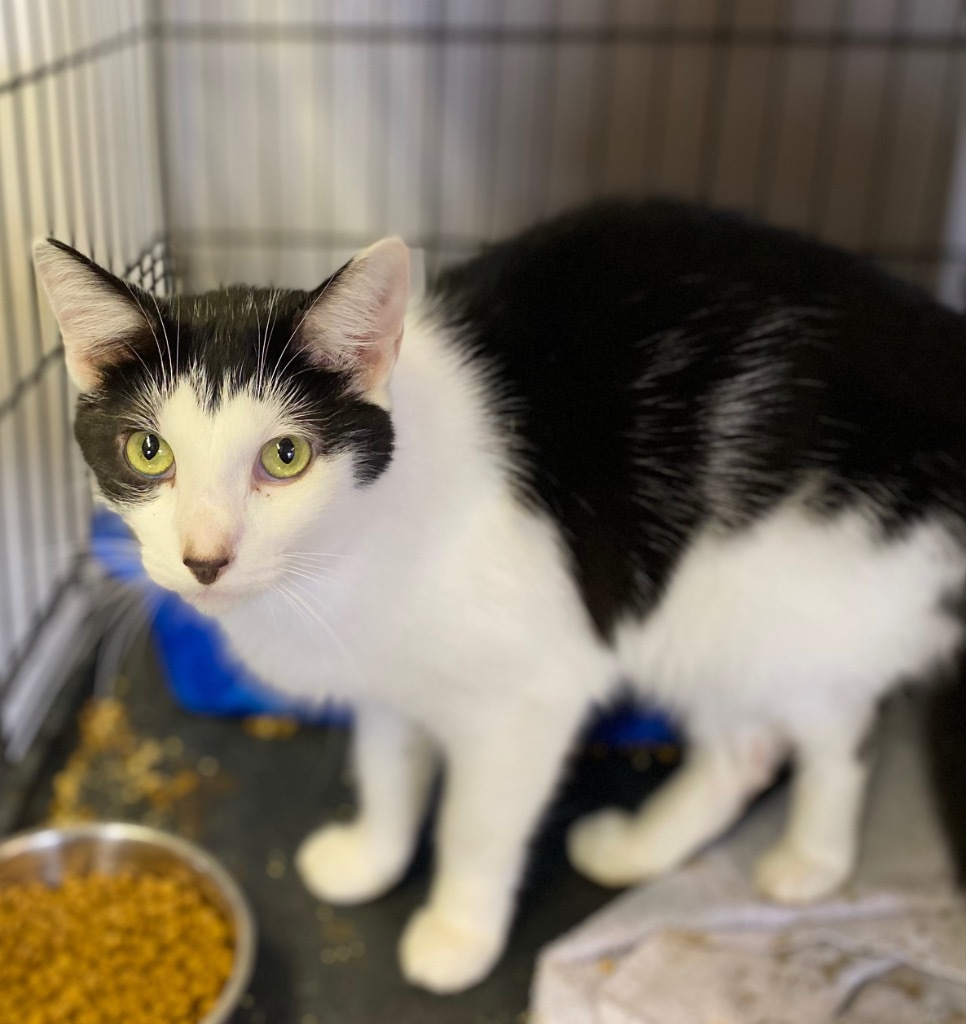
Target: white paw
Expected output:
[444,957]
[787,875]
[338,863]
[607,848]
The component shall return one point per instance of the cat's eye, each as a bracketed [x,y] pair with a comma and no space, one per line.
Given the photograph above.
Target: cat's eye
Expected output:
[148,454]
[285,457]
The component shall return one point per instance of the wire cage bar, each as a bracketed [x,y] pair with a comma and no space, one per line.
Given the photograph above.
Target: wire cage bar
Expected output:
[234,140]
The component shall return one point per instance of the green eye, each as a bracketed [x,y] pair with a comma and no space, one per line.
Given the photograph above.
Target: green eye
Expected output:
[148,454]
[285,457]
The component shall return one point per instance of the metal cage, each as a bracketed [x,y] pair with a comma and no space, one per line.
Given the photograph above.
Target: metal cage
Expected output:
[235,140]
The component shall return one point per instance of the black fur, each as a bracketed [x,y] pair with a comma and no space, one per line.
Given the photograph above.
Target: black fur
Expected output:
[945,743]
[230,338]
[618,337]
[946,751]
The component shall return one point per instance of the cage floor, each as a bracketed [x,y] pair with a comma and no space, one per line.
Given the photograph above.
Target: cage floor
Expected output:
[251,800]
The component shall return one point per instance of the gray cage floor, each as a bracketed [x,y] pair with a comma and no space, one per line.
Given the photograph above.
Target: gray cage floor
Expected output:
[263,796]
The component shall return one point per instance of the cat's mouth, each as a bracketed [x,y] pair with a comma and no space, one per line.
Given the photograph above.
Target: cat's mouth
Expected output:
[216,597]
[212,597]
[222,595]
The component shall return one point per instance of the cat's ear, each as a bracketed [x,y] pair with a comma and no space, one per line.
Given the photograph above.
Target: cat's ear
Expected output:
[355,322]
[99,315]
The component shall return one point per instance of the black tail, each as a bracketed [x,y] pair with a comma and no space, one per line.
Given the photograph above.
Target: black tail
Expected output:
[946,751]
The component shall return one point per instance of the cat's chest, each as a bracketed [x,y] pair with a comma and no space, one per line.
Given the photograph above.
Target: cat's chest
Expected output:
[297,645]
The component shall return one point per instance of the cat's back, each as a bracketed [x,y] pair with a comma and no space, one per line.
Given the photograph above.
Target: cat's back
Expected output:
[655,367]
[613,275]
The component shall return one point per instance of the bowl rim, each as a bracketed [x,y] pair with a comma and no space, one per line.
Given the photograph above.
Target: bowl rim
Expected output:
[243,920]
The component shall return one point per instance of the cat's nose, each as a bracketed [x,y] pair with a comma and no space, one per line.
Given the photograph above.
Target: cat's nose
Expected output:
[205,570]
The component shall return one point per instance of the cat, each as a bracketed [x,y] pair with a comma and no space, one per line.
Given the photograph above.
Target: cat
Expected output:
[642,442]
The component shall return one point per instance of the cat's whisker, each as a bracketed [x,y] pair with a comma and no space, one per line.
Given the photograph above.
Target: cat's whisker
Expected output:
[261,344]
[307,574]
[305,557]
[177,339]
[299,599]
[276,373]
[131,617]
[150,323]
[272,311]
[167,340]
[138,355]
[299,610]
[317,554]
[316,571]
[336,639]
[282,372]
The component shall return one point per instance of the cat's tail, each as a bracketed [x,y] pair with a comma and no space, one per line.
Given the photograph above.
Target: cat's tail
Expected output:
[946,753]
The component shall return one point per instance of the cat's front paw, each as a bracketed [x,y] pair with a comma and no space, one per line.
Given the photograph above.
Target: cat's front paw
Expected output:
[606,848]
[340,864]
[442,956]
[787,875]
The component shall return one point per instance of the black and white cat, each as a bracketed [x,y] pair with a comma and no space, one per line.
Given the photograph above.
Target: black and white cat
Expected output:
[647,443]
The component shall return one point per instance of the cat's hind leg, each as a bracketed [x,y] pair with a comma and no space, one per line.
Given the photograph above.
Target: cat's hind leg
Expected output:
[707,794]
[818,850]
[394,764]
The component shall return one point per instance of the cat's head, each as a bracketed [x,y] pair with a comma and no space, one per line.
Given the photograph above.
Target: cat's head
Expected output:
[226,427]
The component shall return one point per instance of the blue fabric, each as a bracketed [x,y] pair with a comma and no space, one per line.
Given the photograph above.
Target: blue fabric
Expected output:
[205,679]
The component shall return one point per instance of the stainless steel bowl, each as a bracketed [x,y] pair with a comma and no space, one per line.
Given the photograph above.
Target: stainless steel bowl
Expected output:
[49,855]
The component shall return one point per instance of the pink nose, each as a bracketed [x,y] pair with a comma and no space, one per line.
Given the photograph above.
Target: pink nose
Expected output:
[206,570]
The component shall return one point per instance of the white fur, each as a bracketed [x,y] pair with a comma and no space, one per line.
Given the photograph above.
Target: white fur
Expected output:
[445,610]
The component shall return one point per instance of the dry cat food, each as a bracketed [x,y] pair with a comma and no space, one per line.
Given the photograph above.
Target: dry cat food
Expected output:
[126,949]
[115,773]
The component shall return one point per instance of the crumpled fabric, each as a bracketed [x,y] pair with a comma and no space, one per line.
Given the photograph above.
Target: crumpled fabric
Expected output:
[701,947]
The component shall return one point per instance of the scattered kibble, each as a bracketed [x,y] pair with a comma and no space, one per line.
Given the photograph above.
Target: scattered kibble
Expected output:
[270,727]
[341,940]
[342,954]
[276,866]
[667,753]
[173,746]
[113,773]
[142,949]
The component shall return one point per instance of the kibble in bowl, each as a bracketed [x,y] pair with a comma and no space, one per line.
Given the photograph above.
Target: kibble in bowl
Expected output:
[119,923]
